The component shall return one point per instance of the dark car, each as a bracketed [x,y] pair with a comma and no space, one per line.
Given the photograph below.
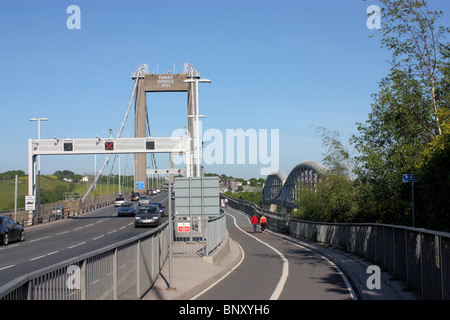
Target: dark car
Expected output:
[147,216]
[126,209]
[135,196]
[10,231]
[161,208]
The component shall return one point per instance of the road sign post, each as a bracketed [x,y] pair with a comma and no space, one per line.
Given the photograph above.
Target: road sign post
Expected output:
[411,178]
[30,204]
[170,235]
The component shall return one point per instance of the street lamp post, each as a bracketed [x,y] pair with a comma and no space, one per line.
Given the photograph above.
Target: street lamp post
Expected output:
[39,167]
[196,117]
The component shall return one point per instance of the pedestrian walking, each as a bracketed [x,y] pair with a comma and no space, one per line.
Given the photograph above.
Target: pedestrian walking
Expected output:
[263,222]
[254,222]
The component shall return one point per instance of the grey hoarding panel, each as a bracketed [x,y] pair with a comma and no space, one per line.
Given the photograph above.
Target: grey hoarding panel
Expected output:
[188,196]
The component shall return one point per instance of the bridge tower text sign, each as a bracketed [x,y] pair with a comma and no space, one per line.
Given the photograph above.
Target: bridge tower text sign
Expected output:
[159,83]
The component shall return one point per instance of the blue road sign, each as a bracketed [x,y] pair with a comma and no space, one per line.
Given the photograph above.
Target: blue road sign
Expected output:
[410,178]
[140,185]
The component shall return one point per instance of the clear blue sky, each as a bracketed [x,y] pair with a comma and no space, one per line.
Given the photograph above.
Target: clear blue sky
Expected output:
[292,65]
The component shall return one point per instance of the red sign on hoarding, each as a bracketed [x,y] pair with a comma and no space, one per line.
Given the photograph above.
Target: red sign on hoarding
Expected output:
[184,226]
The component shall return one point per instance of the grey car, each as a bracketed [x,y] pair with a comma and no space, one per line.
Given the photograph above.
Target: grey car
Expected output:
[147,216]
[126,209]
[161,207]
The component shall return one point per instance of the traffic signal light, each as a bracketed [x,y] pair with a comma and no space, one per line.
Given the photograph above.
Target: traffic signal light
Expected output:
[109,146]
[150,145]
[68,146]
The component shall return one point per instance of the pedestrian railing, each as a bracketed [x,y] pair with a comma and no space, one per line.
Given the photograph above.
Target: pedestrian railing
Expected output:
[418,257]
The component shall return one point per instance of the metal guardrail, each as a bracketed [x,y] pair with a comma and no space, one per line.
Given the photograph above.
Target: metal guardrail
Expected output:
[71,208]
[418,257]
[198,239]
[123,271]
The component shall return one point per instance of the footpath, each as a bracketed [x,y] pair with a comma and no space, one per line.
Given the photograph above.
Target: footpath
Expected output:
[191,276]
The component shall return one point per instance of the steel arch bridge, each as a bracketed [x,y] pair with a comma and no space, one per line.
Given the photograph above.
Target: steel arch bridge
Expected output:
[273,187]
[284,191]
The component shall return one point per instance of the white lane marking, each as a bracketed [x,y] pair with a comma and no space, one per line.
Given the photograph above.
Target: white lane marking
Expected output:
[344,277]
[284,274]
[76,245]
[123,227]
[58,234]
[112,231]
[44,255]
[10,246]
[225,275]
[7,267]
[99,237]
[40,239]
[35,258]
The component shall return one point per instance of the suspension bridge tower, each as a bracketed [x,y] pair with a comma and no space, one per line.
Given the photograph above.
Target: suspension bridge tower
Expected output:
[168,82]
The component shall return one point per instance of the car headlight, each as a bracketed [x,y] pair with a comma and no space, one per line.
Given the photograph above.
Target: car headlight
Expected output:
[138,218]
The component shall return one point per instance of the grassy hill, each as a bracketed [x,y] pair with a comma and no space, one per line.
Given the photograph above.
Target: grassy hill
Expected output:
[51,188]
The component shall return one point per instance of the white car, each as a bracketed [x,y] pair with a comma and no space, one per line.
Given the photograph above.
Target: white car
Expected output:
[119,200]
[144,200]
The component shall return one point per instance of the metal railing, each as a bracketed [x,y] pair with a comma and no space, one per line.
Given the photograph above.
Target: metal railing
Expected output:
[71,208]
[124,270]
[418,257]
[192,238]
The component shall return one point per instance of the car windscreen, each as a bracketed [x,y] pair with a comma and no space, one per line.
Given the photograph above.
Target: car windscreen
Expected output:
[148,210]
[127,205]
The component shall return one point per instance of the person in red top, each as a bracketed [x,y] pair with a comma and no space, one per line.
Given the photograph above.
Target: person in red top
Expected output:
[254,222]
[263,223]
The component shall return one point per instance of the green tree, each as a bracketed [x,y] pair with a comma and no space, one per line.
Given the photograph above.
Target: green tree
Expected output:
[435,184]
[8,175]
[434,168]
[391,143]
[410,32]
[333,200]
[408,112]
[337,157]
